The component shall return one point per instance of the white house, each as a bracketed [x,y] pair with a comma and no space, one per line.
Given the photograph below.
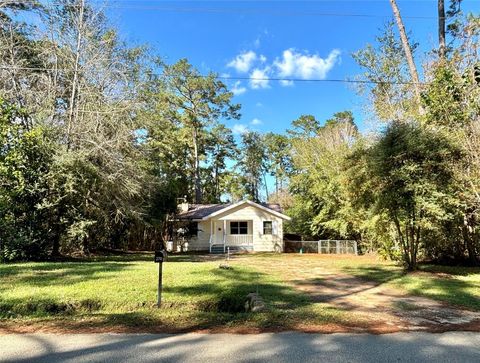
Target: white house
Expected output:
[245,225]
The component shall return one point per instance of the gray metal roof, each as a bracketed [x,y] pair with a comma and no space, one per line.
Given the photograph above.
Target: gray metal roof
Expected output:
[199,211]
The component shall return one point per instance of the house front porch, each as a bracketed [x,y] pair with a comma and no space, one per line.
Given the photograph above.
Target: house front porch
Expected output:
[233,235]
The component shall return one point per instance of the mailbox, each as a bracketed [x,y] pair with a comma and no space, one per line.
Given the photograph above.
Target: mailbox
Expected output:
[160,256]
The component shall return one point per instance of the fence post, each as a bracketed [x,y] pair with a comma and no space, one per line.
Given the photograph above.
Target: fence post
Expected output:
[319,245]
[355,247]
[337,243]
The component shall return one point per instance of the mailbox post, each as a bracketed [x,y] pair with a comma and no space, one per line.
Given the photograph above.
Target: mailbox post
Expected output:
[159,258]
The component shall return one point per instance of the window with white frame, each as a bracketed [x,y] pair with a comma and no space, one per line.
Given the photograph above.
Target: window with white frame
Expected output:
[238,227]
[267,227]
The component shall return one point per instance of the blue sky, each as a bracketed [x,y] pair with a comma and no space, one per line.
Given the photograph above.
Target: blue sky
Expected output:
[275,39]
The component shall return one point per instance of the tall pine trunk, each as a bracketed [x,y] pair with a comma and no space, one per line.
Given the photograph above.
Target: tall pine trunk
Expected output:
[441,29]
[217,184]
[74,95]
[407,50]
[266,186]
[469,239]
[197,181]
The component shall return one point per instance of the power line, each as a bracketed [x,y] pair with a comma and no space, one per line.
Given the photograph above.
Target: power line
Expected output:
[338,80]
[268,11]
[238,78]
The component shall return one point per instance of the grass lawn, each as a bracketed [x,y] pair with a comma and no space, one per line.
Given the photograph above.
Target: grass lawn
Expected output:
[119,292]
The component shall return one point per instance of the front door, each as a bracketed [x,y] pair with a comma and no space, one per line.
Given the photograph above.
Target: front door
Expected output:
[218,225]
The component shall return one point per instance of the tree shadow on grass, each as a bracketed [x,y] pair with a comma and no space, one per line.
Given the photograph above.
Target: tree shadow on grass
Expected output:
[45,307]
[12,268]
[453,291]
[194,257]
[149,257]
[450,270]
[209,304]
[215,302]
[234,285]
[53,273]
[221,303]
[378,274]
[328,289]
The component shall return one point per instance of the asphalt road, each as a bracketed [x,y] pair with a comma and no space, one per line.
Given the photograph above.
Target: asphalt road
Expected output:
[282,347]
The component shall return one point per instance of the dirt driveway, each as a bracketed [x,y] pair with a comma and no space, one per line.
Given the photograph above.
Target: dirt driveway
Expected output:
[374,303]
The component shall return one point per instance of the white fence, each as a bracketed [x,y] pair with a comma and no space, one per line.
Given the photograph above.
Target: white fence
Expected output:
[325,246]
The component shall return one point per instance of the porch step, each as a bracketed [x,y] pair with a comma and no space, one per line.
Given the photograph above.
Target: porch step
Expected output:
[217,249]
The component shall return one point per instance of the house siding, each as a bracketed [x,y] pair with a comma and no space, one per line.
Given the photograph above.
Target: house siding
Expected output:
[255,217]
[261,242]
[202,241]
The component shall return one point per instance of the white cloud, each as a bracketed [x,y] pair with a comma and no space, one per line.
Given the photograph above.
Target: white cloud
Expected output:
[292,64]
[256,121]
[239,129]
[243,62]
[259,78]
[305,66]
[256,43]
[259,104]
[286,83]
[238,89]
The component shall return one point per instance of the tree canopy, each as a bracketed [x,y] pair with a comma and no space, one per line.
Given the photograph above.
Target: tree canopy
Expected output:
[100,138]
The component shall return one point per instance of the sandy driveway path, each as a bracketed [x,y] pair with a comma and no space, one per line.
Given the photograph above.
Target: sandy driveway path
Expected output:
[370,301]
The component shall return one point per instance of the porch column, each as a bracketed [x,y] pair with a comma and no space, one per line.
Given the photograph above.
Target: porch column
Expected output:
[212,236]
[224,233]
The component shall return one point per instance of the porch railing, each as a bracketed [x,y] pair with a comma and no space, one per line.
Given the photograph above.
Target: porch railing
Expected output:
[239,240]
